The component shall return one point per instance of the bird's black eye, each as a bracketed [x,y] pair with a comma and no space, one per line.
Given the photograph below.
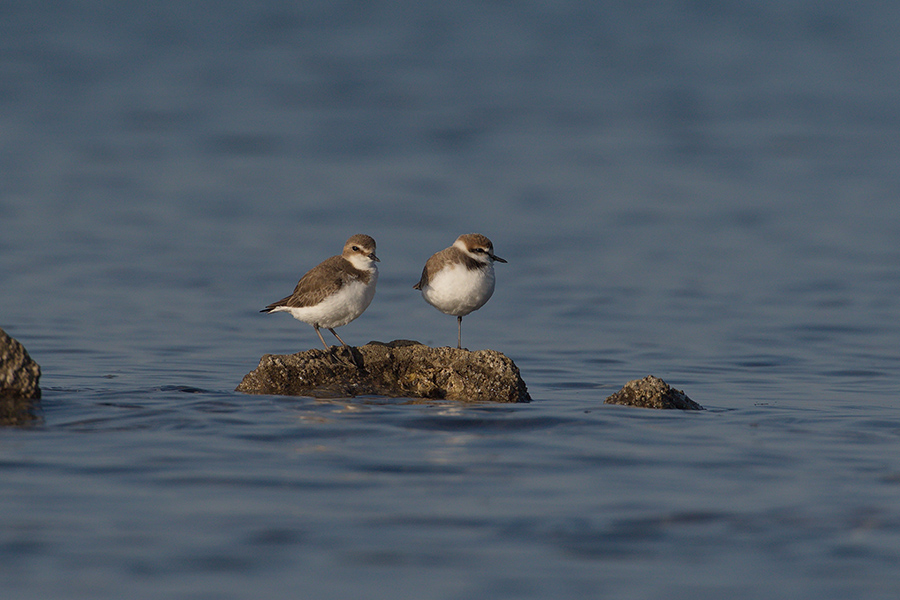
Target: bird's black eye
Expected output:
[478,250]
[356,248]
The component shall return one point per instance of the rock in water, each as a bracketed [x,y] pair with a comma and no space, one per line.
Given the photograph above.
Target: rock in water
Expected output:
[19,390]
[399,369]
[652,392]
[19,375]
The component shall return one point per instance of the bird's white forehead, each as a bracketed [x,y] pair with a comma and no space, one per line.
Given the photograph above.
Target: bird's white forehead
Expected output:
[471,247]
[468,245]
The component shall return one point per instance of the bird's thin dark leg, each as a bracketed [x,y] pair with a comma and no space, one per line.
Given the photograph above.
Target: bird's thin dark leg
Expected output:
[334,333]
[318,333]
[459,332]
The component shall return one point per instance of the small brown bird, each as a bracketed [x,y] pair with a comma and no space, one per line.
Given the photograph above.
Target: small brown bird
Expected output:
[460,279]
[336,291]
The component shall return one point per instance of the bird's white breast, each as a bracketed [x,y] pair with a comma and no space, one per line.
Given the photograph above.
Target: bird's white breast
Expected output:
[456,290]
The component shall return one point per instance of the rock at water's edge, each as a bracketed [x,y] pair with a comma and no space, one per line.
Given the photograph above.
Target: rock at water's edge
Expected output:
[652,392]
[399,369]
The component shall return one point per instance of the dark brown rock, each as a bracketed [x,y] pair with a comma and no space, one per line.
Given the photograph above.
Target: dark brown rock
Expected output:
[19,375]
[399,369]
[652,392]
[19,389]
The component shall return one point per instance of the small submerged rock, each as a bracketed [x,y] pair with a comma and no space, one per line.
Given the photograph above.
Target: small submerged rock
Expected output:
[399,369]
[652,392]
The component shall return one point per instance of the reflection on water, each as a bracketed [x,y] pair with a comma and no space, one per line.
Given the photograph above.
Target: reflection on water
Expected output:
[19,412]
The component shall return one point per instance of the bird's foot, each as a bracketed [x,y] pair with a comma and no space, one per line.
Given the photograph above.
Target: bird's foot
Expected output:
[346,356]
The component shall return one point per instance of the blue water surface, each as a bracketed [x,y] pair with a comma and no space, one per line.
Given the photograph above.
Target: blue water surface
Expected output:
[705,192]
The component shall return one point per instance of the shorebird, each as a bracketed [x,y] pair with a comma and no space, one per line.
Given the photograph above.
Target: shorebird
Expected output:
[335,291]
[460,279]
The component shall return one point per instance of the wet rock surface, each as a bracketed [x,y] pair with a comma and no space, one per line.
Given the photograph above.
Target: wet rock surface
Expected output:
[400,369]
[652,392]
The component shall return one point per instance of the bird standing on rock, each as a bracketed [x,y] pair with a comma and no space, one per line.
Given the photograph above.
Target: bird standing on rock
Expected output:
[336,291]
[460,279]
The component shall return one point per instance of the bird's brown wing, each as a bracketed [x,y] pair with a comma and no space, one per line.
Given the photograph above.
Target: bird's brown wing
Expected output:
[320,282]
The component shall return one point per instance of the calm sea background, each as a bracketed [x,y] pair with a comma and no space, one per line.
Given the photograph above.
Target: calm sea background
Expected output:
[703,191]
